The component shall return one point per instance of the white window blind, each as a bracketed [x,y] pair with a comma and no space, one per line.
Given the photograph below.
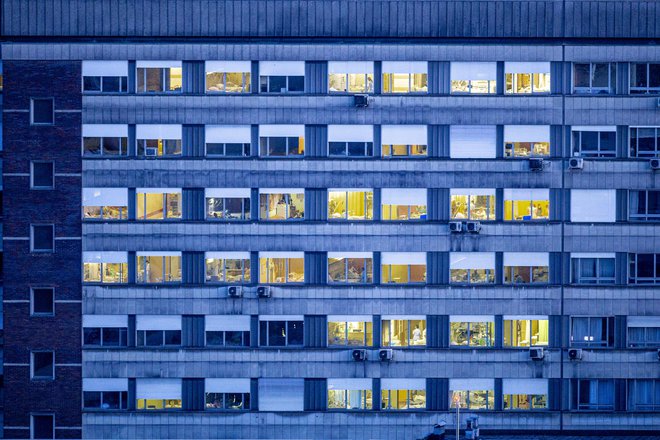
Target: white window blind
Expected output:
[471,384]
[281,394]
[472,260]
[105,257]
[105,130]
[404,135]
[282,68]
[525,386]
[223,323]
[473,71]
[350,254]
[403,317]
[527,67]
[472,191]
[415,258]
[110,321]
[281,190]
[472,141]
[593,205]
[232,385]
[593,128]
[403,196]
[157,190]
[158,388]
[350,318]
[593,255]
[471,318]
[105,197]
[282,131]
[525,318]
[228,255]
[281,317]
[526,133]
[281,255]
[158,322]
[527,194]
[350,67]
[228,134]
[154,131]
[104,68]
[158,64]
[158,254]
[526,258]
[105,384]
[236,193]
[350,133]
[643,321]
[350,384]
[405,67]
[228,66]
[402,384]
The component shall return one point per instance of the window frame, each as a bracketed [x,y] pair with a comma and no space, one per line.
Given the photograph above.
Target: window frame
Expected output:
[44,250]
[165,80]
[363,396]
[365,275]
[591,90]
[32,103]
[286,268]
[245,341]
[246,84]
[165,217]
[647,342]
[32,174]
[389,268]
[288,205]
[647,90]
[368,149]
[490,338]
[32,366]
[287,344]
[245,406]
[246,150]
[606,343]
[144,269]
[346,202]
[32,301]
[409,339]
[123,273]
[529,325]
[367,89]
[387,85]
[123,401]
[530,399]
[368,327]
[41,414]
[636,138]
[245,213]
[655,392]
[514,81]
[633,267]
[491,206]
[577,278]
[409,392]
[510,270]
[591,406]
[141,336]
[224,271]
[123,337]
[288,86]
[468,400]
[642,217]
[123,84]
[600,153]
[123,147]
[264,147]
[409,151]
[531,205]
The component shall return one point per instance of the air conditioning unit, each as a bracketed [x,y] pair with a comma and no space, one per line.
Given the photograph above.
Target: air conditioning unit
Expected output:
[536,354]
[575,354]
[655,164]
[361,100]
[575,163]
[386,354]
[536,164]
[473,227]
[235,291]
[455,227]
[151,151]
[263,292]
[360,355]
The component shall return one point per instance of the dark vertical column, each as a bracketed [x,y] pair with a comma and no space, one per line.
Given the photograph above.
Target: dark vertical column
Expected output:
[433,268]
[316,394]
[316,77]
[132,146]
[378,144]
[193,267]
[193,140]
[378,77]
[193,204]
[376,397]
[620,324]
[621,268]
[439,77]
[254,77]
[254,265]
[438,204]
[316,140]
[316,264]
[499,204]
[555,330]
[193,77]
[254,394]
[132,272]
[498,395]
[499,331]
[555,269]
[500,78]
[622,141]
[130,337]
[622,78]
[254,204]
[132,83]
[499,267]
[131,393]
[192,394]
[556,141]
[315,331]
[377,205]
[437,390]
[254,331]
[376,328]
[192,330]
[59,142]
[254,144]
[499,141]
[621,205]
[554,394]
[556,77]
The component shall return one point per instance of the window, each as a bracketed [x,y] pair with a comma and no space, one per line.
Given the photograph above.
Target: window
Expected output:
[644,78]
[350,394]
[350,140]
[42,175]
[350,204]
[42,111]
[644,269]
[158,140]
[526,267]
[158,394]
[158,203]
[228,204]
[472,267]
[402,394]
[644,206]
[105,204]
[594,78]
[42,238]
[403,331]
[525,331]
[42,365]
[524,141]
[525,394]
[404,141]
[526,204]
[472,204]
[227,267]
[472,394]
[106,393]
[227,394]
[42,301]
[644,141]
[527,78]
[474,78]
[350,268]
[159,76]
[403,267]
[281,331]
[471,331]
[105,267]
[105,330]
[351,77]
[228,140]
[643,395]
[105,76]
[227,330]
[282,76]
[281,394]
[158,330]
[405,77]
[104,140]
[281,267]
[592,331]
[159,267]
[643,331]
[592,141]
[403,204]
[472,142]
[281,204]
[42,426]
[592,394]
[351,331]
[281,140]
[228,76]
[593,205]
[592,268]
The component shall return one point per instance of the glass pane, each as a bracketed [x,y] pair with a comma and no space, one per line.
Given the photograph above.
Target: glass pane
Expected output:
[581,75]
[92,83]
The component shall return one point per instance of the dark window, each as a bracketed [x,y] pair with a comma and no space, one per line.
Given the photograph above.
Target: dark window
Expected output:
[282,84]
[351,149]
[92,83]
[280,333]
[592,331]
[643,336]
[644,141]
[592,270]
[594,143]
[106,336]
[644,78]
[105,399]
[43,301]
[228,338]
[43,175]
[42,111]
[644,269]
[644,206]
[644,395]
[282,146]
[42,239]
[43,365]
[158,338]
[228,149]
[43,426]
[594,78]
[105,146]
[592,394]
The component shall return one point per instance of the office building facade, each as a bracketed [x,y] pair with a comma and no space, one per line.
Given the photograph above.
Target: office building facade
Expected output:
[310,219]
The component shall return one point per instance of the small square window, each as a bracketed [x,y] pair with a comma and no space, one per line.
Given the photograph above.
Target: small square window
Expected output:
[43,365]
[42,175]
[42,111]
[43,301]
[42,426]
[42,238]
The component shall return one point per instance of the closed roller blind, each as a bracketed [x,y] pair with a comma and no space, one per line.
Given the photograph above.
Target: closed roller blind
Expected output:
[472,141]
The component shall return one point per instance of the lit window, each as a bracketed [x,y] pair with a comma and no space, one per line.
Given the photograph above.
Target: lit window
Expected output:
[593,141]
[473,78]
[281,140]
[281,204]
[158,203]
[644,78]
[351,77]
[403,331]
[592,394]
[227,267]
[158,140]
[350,140]
[352,331]
[644,142]
[227,394]
[472,204]
[404,140]
[403,267]
[228,76]
[527,78]
[594,78]
[105,330]
[525,394]
[350,394]
[105,394]
[350,267]
[526,267]
[472,394]
[280,331]
[403,204]
[159,267]
[592,331]
[227,330]
[526,204]
[525,331]
[229,204]
[158,330]
[158,394]
[405,77]
[282,76]
[281,267]
[105,267]
[403,394]
[105,204]
[644,269]
[644,206]
[643,331]
[159,76]
[350,204]
[471,331]
[228,140]
[526,141]
[590,268]
[105,76]
[472,267]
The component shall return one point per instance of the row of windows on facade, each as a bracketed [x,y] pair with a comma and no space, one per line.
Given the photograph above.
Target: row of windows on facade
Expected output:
[357,204]
[387,77]
[359,141]
[473,268]
[398,331]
